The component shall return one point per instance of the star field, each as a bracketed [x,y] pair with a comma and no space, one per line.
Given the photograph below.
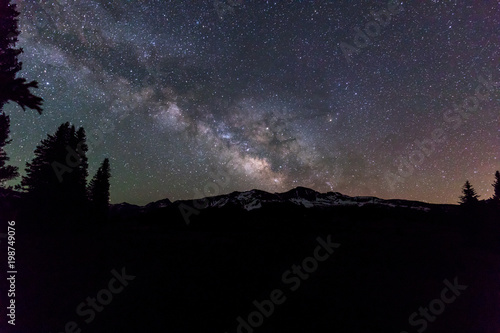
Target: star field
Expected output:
[263,94]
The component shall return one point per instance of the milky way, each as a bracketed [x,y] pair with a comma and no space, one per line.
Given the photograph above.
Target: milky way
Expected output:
[396,100]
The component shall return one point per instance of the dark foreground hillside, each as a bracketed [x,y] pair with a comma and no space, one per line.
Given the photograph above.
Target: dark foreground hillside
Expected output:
[386,265]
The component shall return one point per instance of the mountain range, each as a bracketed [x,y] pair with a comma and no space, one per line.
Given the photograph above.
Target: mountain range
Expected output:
[254,200]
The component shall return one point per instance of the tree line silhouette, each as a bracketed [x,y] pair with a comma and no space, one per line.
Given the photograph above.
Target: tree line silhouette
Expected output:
[55,185]
[470,197]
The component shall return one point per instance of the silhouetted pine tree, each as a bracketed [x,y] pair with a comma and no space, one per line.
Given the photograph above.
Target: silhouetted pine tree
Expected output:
[13,88]
[98,191]
[7,172]
[472,215]
[55,180]
[79,163]
[469,196]
[496,187]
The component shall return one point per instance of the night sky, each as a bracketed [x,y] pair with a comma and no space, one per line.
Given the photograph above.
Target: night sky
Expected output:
[269,94]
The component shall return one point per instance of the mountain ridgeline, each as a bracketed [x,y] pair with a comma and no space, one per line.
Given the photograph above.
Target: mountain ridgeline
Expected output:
[300,207]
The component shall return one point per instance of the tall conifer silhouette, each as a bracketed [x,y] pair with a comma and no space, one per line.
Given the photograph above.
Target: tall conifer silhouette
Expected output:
[55,179]
[98,190]
[12,88]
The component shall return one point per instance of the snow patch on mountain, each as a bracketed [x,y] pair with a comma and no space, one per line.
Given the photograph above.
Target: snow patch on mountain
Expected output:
[253,205]
[302,202]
